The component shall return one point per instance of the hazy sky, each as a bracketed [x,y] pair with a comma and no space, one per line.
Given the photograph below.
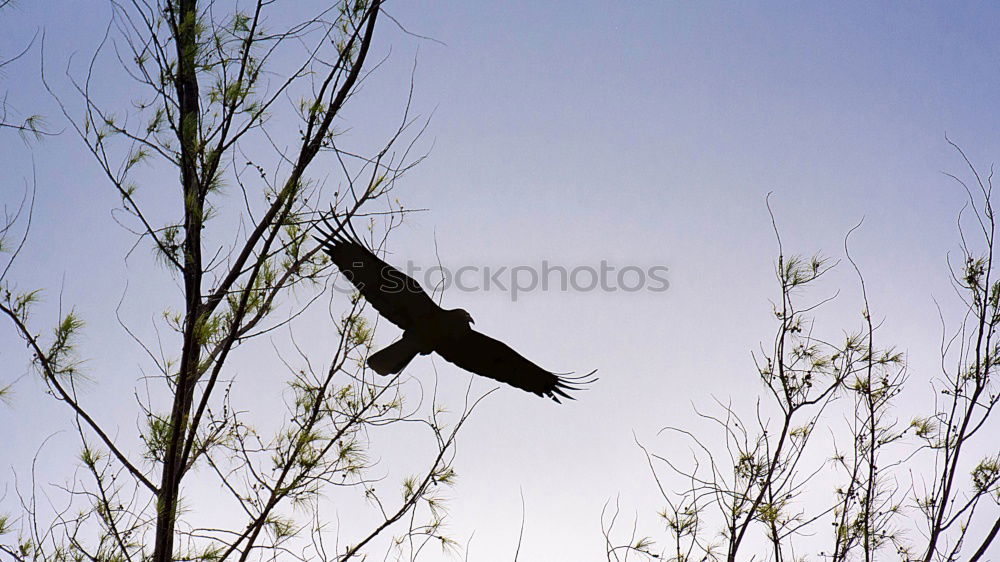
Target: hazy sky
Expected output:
[645,133]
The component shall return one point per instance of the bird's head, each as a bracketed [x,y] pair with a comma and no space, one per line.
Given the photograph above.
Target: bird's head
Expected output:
[464,315]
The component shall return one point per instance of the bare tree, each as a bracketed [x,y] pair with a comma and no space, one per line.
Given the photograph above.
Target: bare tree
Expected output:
[32,125]
[219,85]
[968,396]
[927,490]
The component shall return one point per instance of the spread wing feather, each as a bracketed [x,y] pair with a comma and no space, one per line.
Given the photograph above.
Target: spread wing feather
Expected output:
[395,295]
[491,358]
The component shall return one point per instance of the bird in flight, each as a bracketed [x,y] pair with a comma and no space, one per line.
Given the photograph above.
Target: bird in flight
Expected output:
[429,328]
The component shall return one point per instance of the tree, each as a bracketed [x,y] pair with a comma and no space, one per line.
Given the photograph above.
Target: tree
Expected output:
[32,125]
[217,86]
[927,490]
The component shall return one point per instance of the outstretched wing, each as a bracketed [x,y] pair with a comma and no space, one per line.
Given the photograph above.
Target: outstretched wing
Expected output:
[488,357]
[395,295]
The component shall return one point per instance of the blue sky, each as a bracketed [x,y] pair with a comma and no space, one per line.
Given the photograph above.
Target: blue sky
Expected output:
[647,133]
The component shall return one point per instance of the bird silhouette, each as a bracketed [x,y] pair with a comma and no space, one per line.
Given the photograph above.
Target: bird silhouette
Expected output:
[429,328]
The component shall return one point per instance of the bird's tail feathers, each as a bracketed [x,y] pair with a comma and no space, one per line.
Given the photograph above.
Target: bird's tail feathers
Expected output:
[394,358]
